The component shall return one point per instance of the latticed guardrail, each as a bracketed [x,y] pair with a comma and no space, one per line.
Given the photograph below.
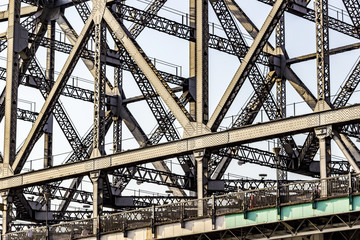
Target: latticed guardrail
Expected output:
[36,233]
[73,230]
[292,193]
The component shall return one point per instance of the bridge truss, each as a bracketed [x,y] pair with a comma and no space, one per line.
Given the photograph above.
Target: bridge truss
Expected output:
[189,122]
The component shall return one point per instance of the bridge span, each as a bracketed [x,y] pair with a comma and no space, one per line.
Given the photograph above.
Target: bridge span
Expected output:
[299,210]
[197,101]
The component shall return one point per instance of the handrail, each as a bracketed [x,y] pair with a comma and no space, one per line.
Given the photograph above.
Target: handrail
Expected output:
[292,193]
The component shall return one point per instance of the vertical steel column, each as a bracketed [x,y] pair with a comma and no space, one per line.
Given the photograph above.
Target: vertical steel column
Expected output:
[99,88]
[202,38]
[48,129]
[281,175]
[322,52]
[280,90]
[323,78]
[202,84]
[201,178]
[48,137]
[323,134]
[280,83]
[98,198]
[281,96]
[280,33]
[192,57]
[192,66]
[12,78]
[117,121]
[6,215]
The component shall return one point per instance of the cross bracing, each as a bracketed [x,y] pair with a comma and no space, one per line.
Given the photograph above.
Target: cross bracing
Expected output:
[180,127]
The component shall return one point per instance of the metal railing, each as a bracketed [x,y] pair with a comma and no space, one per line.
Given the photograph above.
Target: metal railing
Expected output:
[293,193]
[72,230]
[35,233]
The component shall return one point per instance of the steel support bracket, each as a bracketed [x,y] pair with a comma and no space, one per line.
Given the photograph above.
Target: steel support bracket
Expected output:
[182,222]
[245,214]
[125,230]
[278,203]
[323,132]
[5,170]
[114,103]
[48,127]
[190,85]
[350,192]
[322,105]
[313,204]
[213,213]
[6,218]
[153,221]
[279,64]
[21,38]
[298,7]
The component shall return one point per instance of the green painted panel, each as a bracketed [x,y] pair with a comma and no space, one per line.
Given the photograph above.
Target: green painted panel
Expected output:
[333,206]
[356,203]
[230,220]
[304,210]
[295,211]
[253,217]
[322,208]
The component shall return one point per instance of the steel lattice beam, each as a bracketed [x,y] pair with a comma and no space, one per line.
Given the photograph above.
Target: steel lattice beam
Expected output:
[83,10]
[277,128]
[183,31]
[261,86]
[203,150]
[53,97]
[353,8]
[309,14]
[244,69]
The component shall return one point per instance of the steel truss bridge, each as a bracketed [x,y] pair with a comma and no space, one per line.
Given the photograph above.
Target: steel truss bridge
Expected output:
[188,129]
[267,213]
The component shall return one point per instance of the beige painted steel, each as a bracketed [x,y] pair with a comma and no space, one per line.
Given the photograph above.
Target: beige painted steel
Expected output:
[346,153]
[72,37]
[234,82]
[201,175]
[201,55]
[174,230]
[192,62]
[350,146]
[53,93]
[134,52]
[323,134]
[98,196]
[6,217]
[12,78]
[169,230]
[272,129]
[141,138]
[247,23]
[223,161]
[24,11]
[251,28]
[333,51]
[129,121]
[300,87]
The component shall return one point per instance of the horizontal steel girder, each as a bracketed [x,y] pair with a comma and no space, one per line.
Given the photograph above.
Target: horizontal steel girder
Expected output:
[306,13]
[236,136]
[112,59]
